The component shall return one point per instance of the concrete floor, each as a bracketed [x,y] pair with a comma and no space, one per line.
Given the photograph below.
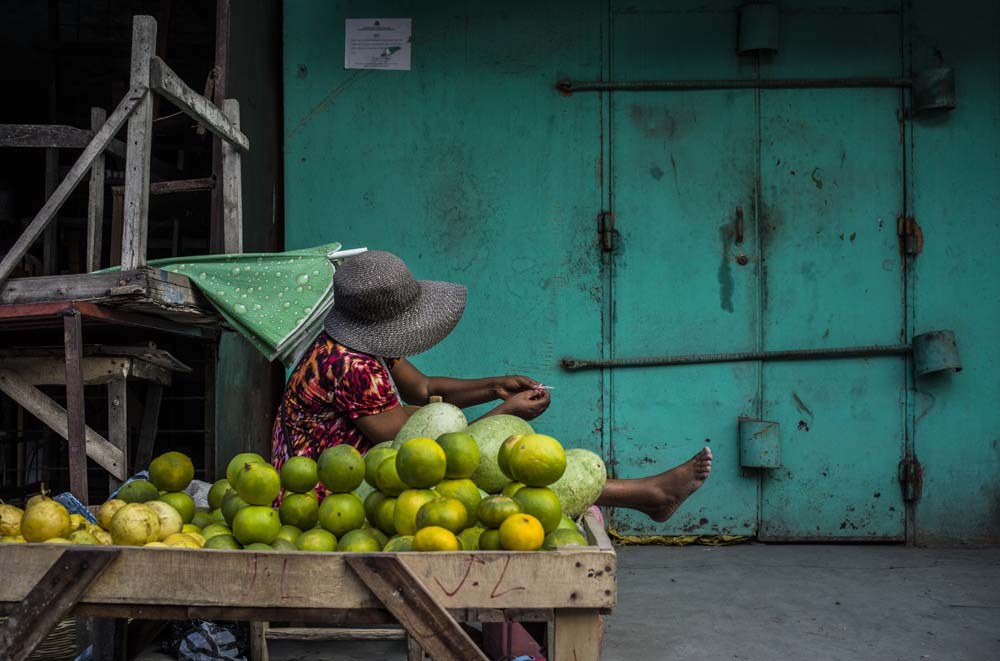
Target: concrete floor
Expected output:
[758,602]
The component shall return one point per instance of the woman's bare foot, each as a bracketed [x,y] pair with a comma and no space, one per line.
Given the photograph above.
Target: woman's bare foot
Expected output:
[665,492]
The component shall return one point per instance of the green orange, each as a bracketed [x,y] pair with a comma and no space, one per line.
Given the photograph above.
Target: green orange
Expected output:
[385,516]
[258,483]
[494,510]
[256,524]
[181,502]
[541,503]
[408,504]
[489,540]
[447,513]
[399,544]
[421,463]
[359,541]
[299,474]
[372,501]
[537,460]
[373,458]
[464,490]
[469,538]
[563,537]
[435,538]
[387,479]
[316,539]
[341,468]
[237,462]
[503,454]
[341,513]
[512,488]
[171,471]
[299,510]
[461,454]
[521,532]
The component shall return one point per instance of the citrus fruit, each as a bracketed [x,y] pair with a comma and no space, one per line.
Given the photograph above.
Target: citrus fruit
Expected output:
[44,520]
[181,502]
[299,510]
[537,460]
[155,545]
[373,458]
[256,523]
[341,512]
[138,491]
[489,540]
[201,518]
[77,522]
[236,464]
[107,510]
[213,529]
[82,537]
[289,533]
[182,540]
[171,471]
[257,483]
[385,516]
[231,504]
[434,538]
[490,433]
[421,463]
[469,538]
[169,518]
[461,454]
[541,503]
[10,520]
[222,542]
[399,544]
[512,488]
[259,546]
[566,523]
[57,540]
[316,540]
[447,513]
[563,537]
[218,490]
[493,510]
[196,536]
[408,503]
[13,539]
[521,532]
[372,501]
[464,490]
[382,538]
[341,468]
[134,524]
[359,541]
[190,527]
[299,475]
[218,516]
[387,479]
[283,545]
[503,454]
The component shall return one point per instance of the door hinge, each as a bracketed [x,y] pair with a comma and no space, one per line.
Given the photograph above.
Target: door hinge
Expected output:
[606,233]
[910,235]
[911,477]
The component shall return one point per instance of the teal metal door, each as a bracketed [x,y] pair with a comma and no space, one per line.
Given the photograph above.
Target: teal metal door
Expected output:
[759,220]
[682,171]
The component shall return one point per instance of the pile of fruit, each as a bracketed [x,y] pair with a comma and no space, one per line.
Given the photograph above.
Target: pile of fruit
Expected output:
[441,485]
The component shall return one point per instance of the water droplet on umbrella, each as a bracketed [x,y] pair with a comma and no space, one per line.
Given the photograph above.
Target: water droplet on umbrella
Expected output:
[236,270]
[316,272]
[239,308]
[202,275]
[237,290]
[299,289]
[277,273]
[302,279]
[286,305]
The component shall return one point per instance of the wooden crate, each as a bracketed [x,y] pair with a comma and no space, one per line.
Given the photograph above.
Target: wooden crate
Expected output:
[571,587]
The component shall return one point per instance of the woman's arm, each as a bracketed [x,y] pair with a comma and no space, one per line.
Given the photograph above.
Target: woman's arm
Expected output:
[416,388]
[382,426]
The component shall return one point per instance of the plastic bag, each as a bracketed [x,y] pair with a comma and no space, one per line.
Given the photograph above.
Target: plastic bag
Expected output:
[202,640]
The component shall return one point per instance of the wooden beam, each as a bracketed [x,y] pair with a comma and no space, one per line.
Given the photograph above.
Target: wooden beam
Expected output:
[76,173]
[304,633]
[163,80]
[140,133]
[147,433]
[577,635]
[52,136]
[425,620]
[50,242]
[95,201]
[52,599]
[177,186]
[232,188]
[118,424]
[76,425]
[53,416]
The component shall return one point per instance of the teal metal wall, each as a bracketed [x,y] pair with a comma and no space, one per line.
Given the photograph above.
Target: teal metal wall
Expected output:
[474,168]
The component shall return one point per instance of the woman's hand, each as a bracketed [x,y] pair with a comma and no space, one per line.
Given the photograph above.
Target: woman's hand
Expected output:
[527,404]
[508,386]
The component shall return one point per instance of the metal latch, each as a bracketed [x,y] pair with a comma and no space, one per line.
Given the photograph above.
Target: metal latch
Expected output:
[606,232]
[911,477]
[910,234]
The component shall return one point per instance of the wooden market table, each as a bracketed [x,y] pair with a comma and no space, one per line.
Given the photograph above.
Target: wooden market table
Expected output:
[427,593]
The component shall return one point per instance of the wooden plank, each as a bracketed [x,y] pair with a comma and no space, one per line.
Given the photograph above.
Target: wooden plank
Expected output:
[117,223]
[232,187]
[163,80]
[95,201]
[140,133]
[258,641]
[76,425]
[161,287]
[577,635]
[53,416]
[39,371]
[57,136]
[177,186]
[305,633]
[596,534]
[425,620]
[147,433]
[118,423]
[414,652]
[75,175]
[50,250]
[51,599]
[220,78]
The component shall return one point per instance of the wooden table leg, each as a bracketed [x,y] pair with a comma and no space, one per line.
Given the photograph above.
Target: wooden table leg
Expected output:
[258,641]
[76,424]
[52,598]
[577,635]
[425,620]
[118,424]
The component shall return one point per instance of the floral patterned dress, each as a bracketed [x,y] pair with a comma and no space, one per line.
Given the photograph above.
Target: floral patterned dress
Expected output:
[331,387]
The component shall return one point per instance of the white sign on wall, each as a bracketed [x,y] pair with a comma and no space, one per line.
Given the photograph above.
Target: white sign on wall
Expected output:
[377,43]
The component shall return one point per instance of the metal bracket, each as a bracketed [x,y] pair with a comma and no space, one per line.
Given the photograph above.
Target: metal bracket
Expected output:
[911,477]
[606,232]
[910,235]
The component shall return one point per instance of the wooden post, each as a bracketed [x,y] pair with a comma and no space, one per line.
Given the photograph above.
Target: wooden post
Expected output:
[75,423]
[50,241]
[232,187]
[117,220]
[118,424]
[147,433]
[258,641]
[140,131]
[95,204]
[220,71]
[577,634]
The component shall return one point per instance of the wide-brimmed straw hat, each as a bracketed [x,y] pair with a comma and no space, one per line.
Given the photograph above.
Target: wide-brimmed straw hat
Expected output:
[381,309]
